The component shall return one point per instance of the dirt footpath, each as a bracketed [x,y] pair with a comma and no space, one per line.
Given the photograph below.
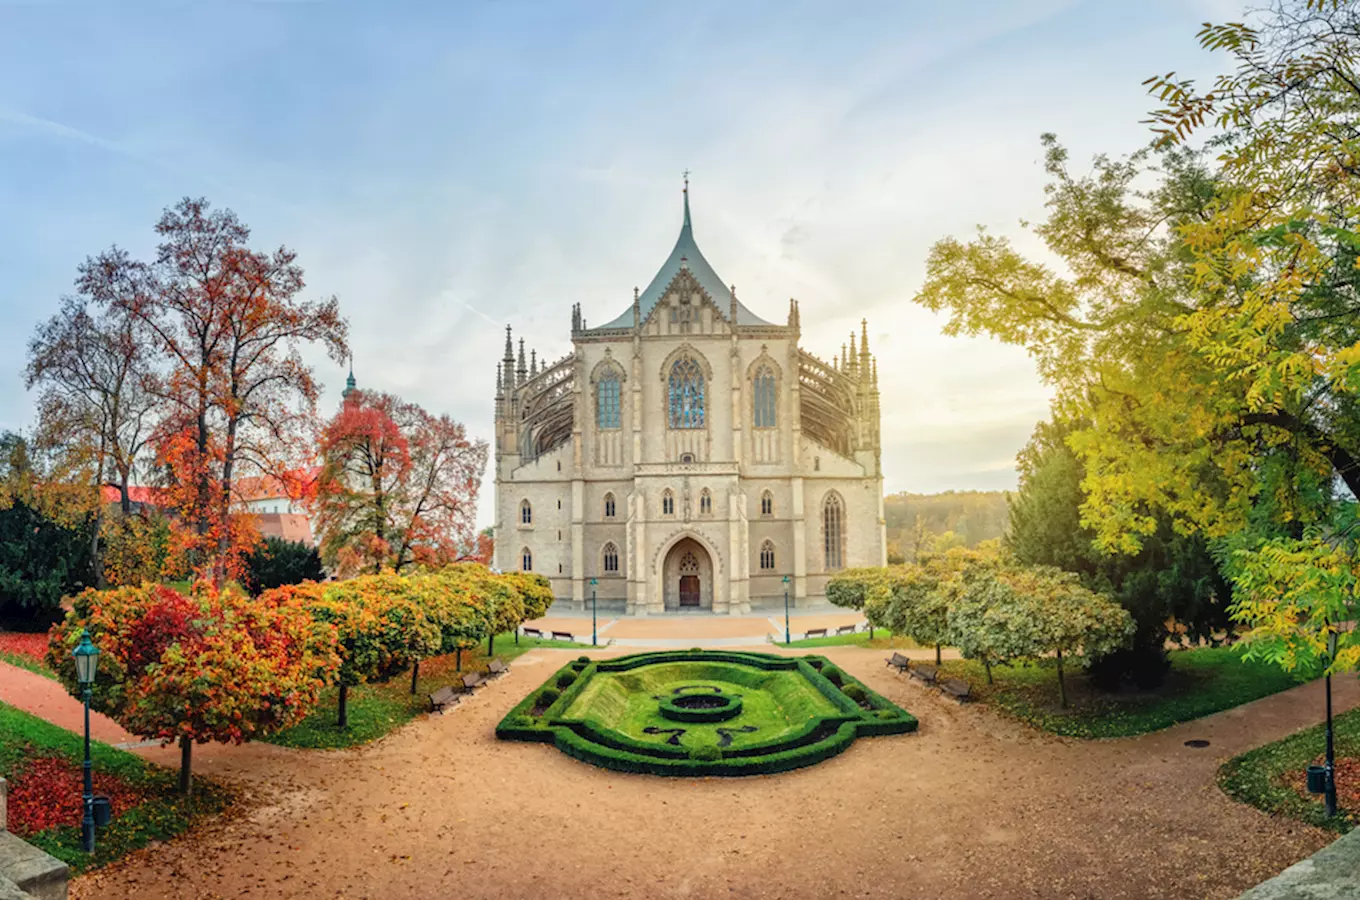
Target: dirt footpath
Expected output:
[971,806]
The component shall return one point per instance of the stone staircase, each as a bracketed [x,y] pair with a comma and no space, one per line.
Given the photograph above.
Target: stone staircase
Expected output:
[27,873]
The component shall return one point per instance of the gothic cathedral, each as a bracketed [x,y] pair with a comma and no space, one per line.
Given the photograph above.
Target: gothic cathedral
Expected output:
[688,454]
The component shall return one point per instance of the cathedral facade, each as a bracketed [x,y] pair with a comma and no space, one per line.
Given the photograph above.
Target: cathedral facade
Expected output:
[688,455]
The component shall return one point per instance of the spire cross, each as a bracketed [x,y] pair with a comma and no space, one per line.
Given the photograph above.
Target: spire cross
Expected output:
[686,174]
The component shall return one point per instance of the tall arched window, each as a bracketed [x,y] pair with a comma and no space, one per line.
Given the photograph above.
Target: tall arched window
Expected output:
[764,405]
[686,394]
[705,503]
[526,513]
[526,560]
[611,558]
[767,504]
[767,556]
[668,503]
[609,506]
[833,531]
[607,401]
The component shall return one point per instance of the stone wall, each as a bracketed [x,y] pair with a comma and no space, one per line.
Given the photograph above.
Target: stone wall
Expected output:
[27,873]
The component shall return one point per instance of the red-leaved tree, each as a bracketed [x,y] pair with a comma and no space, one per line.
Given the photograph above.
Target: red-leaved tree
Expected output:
[226,324]
[398,486]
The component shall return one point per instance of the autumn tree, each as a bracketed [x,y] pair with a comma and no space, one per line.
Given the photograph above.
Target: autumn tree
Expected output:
[226,324]
[207,666]
[398,487]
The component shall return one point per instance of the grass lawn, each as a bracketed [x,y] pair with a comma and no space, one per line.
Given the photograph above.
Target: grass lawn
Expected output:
[882,639]
[1202,681]
[376,709]
[42,764]
[1272,777]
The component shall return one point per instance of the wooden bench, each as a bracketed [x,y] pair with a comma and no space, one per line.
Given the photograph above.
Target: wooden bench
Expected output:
[473,680]
[496,667]
[957,688]
[898,662]
[928,674]
[532,632]
[443,698]
[845,629]
[563,636]
[814,632]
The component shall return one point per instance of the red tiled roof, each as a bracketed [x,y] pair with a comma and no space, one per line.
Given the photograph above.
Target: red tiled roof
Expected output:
[295,485]
[137,493]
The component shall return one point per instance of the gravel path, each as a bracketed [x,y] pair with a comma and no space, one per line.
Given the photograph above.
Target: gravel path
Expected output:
[972,806]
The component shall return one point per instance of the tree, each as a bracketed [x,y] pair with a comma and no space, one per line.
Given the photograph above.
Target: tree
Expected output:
[398,487]
[227,322]
[1172,576]
[275,562]
[45,538]
[134,548]
[92,376]
[209,666]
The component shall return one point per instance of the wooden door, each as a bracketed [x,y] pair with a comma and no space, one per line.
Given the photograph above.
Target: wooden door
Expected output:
[689,590]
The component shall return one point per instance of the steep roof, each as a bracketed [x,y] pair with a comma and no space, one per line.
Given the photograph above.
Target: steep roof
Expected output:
[686,255]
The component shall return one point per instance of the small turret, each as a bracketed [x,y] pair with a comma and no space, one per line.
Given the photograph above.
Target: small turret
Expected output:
[350,384]
[508,361]
[733,313]
[522,365]
[533,363]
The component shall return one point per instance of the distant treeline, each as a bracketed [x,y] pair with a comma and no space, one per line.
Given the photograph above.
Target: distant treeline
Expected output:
[954,518]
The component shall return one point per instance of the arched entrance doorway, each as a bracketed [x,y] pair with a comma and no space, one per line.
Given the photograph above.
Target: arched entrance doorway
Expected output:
[687,577]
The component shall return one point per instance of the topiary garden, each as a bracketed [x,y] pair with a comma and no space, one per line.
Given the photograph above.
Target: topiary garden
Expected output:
[698,712]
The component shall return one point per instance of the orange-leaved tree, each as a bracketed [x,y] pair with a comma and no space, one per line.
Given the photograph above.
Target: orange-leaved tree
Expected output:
[398,487]
[225,325]
[207,666]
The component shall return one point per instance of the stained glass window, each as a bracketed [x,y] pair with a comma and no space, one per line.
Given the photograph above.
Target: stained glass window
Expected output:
[767,504]
[833,531]
[611,557]
[526,560]
[668,504]
[767,556]
[705,503]
[609,506]
[526,513]
[686,394]
[607,401]
[764,399]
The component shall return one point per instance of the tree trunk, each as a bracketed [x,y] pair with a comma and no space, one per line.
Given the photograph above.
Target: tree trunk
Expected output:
[987,664]
[1062,687]
[344,708]
[415,674]
[458,659]
[937,654]
[491,643]
[186,765]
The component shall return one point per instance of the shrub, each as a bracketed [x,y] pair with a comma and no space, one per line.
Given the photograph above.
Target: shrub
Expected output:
[854,692]
[706,753]
[547,697]
[833,675]
[565,679]
[583,660]
[276,562]
[522,721]
[696,649]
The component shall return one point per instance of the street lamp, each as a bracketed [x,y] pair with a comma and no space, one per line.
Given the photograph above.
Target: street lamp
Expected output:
[87,661]
[1322,779]
[594,641]
[786,611]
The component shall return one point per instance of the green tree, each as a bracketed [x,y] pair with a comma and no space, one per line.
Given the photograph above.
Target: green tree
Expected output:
[275,562]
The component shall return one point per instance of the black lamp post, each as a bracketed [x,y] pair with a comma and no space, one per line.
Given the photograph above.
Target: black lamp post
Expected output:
[1322,779]
[87,661]
[594,583]
[786,611]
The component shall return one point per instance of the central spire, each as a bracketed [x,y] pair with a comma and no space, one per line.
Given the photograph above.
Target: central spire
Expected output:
[686,227]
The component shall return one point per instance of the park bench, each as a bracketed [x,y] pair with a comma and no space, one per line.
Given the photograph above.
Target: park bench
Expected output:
[815,632]
[496,667]
[473,680]
[928,674]
[532,632]
[845,629]
[563,636]
[957,688]
[898,662]
[443,698]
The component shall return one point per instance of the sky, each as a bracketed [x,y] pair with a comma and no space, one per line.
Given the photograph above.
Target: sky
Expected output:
[446,169]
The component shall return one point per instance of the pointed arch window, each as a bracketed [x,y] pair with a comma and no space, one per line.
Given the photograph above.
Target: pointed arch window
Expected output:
[766,505]
[668,503]
[764,399]
[526,560]
[705,503]
[609,506]
[833,531]
[526,513]
[767,556]
[686,394]
[607,407]
[611,558]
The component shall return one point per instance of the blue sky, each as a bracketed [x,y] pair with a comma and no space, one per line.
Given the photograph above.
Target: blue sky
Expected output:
[446,168]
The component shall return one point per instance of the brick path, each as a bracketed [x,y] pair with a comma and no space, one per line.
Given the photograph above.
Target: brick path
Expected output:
[47,699]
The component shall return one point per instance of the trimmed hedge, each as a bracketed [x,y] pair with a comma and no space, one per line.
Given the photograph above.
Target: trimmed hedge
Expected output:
[824,736]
